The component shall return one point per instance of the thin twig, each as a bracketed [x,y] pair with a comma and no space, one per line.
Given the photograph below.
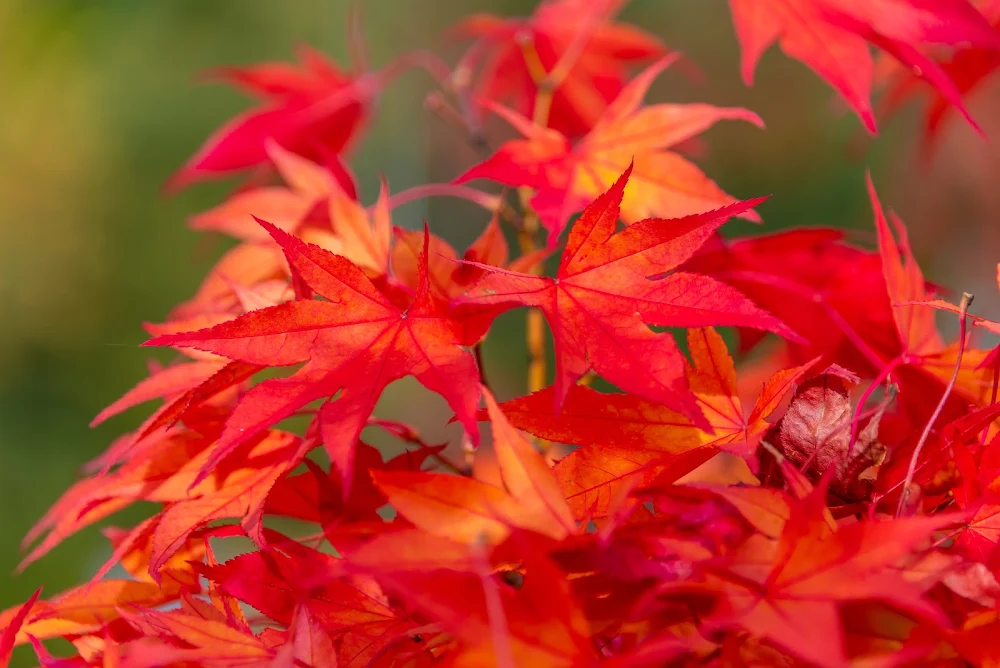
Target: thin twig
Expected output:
[856,420]
[535,323]
[963,309]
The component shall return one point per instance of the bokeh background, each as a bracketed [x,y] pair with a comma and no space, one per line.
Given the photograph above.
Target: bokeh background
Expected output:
[100,105]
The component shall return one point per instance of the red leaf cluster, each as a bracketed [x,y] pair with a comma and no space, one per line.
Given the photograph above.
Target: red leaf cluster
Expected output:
[834,502]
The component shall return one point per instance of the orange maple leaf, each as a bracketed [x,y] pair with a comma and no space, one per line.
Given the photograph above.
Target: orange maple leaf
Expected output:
[567,176]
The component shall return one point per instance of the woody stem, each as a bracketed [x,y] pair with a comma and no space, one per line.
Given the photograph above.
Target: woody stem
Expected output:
[528,233]
[993,396]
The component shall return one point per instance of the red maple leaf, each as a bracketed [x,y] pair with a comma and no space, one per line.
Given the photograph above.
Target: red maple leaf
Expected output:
[788,590]
[315,110]
[603,299]
[567,176]
[968,66]
[833,37]
[622,436]
[596,75]
[856,308]
[355,342]
[466,509]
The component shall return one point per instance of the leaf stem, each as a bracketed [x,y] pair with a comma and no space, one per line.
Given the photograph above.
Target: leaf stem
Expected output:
[963,309]
[856,421]
[482,199]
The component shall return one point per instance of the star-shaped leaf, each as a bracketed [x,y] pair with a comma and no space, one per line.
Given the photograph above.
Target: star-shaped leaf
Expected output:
[607,294]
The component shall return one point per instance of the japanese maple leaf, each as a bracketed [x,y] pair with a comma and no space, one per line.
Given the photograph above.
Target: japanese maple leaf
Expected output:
[12,626]
[448,277]
[240,493]
[183,636]
[354,343]
[788,590]
[854,307]
[313,110]
[84,608]
[622,435]
[923,358]
[602,302]
[309,643]
[279,586]
[132,551]
[833,37]
[815,283]
[468,509]
[168,475]
[953,463]
[313,207]
[981,539]
[567,176]
[991,326]
[307,185]
[315,496]
[712,380]
[593,53]
[969,67]
[539,623]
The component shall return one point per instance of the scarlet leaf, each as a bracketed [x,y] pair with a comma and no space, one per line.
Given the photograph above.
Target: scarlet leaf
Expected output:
[309,643]
[568,177]
[278,586]
[187,637]
[592,80]
[788,592]
[624,436]
[240,494]
[356,342]
[536,624]
[84,608]
[467,510]
[603,300]
[713,384]
[969,67]
[832,37]
[11,628]
[313,111]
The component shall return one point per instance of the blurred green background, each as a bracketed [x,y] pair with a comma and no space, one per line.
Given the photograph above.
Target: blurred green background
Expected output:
[100,106]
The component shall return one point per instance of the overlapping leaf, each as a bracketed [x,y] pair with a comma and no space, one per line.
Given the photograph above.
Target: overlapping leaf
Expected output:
[788,591]
[468,509]
[603,50]
[834,38]
[604,298]
[854,308]
[623,436]
[639,547]
[356,342]
[314,110]
[567,176]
